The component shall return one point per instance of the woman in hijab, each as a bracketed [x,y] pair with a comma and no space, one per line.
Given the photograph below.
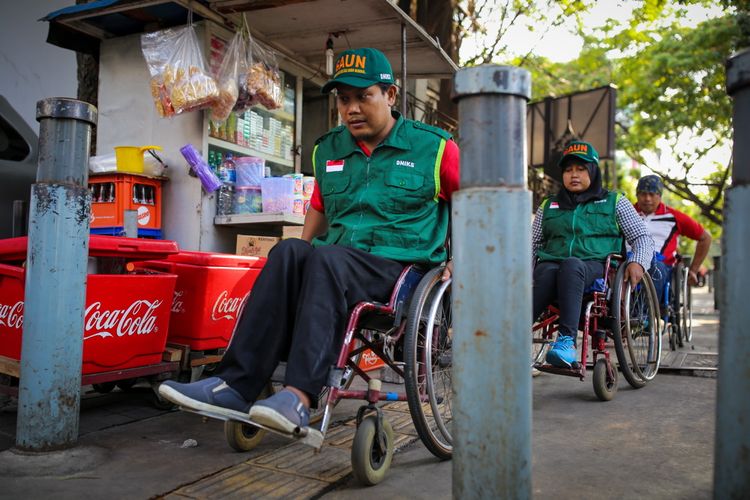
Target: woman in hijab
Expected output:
[572,234]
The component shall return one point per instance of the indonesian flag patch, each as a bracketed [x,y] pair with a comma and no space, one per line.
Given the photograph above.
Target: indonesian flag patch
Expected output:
[334,165]
[554,204]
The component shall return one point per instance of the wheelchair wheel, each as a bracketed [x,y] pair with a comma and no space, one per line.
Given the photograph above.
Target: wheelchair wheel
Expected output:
[605,383]
[245,437]
[371,460]
[686,309]
[678,282]
[428,354]
[636,335]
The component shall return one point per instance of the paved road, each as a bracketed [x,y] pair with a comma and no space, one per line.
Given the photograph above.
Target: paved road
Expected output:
[656,442]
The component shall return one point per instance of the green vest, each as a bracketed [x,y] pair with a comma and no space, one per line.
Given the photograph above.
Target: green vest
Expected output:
[386,204]
[589,232]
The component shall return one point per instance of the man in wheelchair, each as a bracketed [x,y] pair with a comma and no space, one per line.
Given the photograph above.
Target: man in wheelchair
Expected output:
[380,203]
[572,234]
[665,224]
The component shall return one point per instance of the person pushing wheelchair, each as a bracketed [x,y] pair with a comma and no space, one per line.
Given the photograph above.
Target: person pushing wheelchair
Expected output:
[382,187]
[572,234]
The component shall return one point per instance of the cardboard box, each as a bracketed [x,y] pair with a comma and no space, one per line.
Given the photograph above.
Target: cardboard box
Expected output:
[291,232]
[255,246]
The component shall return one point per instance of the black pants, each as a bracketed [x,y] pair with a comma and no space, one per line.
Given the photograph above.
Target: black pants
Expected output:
[297,311]
[566,281]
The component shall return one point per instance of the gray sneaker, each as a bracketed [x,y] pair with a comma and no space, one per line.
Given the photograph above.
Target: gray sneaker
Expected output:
[283,411]
[211,395]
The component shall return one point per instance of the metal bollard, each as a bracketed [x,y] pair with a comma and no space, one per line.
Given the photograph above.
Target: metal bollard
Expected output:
[732,452]
[492,287]
[50,379]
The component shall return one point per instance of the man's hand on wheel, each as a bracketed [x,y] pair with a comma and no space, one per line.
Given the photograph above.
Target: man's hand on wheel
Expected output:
[448,271]
[634,273]
[692,278]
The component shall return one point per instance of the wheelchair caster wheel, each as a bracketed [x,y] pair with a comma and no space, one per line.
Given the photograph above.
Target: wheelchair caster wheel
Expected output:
[241,436]
[605,385]
[371,460]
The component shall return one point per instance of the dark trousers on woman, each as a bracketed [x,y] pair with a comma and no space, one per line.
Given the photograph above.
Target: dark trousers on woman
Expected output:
[565,281]
[297,311]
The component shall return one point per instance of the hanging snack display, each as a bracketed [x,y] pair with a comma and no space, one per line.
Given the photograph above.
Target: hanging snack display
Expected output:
[228,79]
[179,80]
[263,79]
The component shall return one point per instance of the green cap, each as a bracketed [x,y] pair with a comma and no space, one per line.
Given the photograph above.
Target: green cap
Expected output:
[582,150]
[360,68]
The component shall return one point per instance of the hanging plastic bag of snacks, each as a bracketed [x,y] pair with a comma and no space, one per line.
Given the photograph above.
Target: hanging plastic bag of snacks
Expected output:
[263,77]
[227,78]
[157,48]
[182,82]
[245,98]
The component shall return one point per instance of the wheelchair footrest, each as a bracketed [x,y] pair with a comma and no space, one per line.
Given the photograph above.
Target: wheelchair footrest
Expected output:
[305,435]
[570,372]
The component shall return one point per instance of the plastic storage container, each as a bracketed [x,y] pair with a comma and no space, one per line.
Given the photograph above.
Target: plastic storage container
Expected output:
[127,315]
[208,296]
[247,200]
[250,171]
[277,194]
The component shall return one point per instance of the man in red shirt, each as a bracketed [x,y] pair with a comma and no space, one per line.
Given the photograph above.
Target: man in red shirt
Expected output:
[665,225]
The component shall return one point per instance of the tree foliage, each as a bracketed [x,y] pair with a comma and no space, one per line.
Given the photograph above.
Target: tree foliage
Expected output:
[670,76]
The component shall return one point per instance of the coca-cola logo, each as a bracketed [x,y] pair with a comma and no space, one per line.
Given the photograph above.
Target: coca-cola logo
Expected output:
[11,316]
[137,319]
[144,216]
[225,307]
[177,305]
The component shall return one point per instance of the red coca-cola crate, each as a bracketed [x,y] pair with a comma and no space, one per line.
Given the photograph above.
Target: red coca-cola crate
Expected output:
[14,249]
[127,315]
[209,292]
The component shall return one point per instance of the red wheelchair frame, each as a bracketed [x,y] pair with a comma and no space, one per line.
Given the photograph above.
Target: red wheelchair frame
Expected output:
[616,313]
[410,319]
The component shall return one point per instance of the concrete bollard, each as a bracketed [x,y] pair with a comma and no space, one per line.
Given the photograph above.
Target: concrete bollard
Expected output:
[732,464]
[492,288]
[55,293]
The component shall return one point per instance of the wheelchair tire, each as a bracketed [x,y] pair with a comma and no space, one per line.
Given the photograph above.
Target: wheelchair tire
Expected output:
[605,385]
[370,463]
[679,278]
[636,325]
[686,310]
[241,436]
[428,355]
[244,437]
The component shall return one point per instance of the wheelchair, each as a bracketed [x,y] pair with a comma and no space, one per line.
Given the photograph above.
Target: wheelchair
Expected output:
[613,310]
[677,305]
[412,335]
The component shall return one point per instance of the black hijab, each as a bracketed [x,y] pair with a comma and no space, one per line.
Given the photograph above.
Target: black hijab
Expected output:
[595,191]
